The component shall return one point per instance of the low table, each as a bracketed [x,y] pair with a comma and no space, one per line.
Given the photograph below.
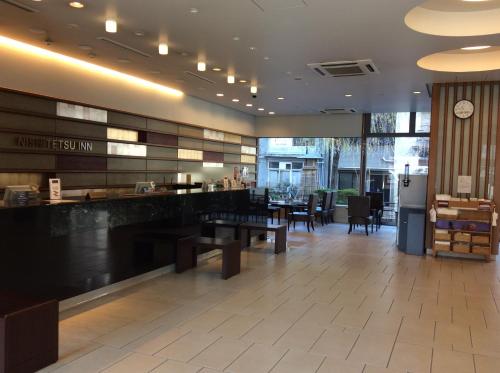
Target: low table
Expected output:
[279,229]
[29,333]
[231,253]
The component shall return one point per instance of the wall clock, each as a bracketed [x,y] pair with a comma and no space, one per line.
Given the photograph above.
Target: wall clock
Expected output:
[463,109]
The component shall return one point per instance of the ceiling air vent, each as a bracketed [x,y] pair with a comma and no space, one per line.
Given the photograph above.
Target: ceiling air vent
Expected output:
[338,111]
[19,5]
[344,68]
[123,46]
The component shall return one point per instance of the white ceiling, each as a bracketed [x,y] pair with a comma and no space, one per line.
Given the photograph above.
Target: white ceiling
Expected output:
[291,33]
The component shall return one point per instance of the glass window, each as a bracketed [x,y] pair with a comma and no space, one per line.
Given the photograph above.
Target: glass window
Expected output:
[390,123]
[423,122]
[303,141]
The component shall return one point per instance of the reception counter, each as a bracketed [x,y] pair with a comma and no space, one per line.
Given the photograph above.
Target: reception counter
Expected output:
[63,250]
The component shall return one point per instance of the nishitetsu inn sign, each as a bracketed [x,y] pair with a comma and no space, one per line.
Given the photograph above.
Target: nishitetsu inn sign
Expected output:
[55,144]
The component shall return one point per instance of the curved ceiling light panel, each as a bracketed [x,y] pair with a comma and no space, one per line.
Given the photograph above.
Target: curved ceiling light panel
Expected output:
[455,17]
[460,61]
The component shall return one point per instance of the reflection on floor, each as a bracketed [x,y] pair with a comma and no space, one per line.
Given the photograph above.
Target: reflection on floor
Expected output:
[333,303]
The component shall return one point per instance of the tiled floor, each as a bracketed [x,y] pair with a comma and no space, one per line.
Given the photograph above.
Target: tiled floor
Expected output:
[333,304]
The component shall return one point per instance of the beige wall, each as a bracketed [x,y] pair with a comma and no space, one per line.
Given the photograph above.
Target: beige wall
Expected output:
[28,73]
[335,125]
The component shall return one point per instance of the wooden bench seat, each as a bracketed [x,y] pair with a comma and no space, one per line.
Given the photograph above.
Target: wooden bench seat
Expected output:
[231,253]
[279,229]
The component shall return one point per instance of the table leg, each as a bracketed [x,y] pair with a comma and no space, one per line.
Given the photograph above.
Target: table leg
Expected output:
[280,241]
[231,260]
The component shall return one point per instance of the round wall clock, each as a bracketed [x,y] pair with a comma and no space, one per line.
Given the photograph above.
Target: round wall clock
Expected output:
[463,109]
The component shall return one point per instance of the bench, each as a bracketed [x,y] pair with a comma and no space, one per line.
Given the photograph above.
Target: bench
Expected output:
[279,229]
[231,253]
[29,333]
[210,225]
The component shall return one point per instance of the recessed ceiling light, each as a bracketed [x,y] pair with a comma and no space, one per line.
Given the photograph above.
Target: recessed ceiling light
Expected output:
[139,33]
[202,66]
[230,79]
[111,26]
[281,98]
[193,10]
[243,81]
[236,38]
[475,48]
[267,58]
[272,113]
[416,92]
[261,109]
[235,100]
[348,95]
[163,49]
[253,89]
[76,4]
[252,48]
[249,105]
[216,69]
[220,94]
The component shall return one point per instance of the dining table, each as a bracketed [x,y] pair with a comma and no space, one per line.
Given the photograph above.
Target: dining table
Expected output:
[288,205]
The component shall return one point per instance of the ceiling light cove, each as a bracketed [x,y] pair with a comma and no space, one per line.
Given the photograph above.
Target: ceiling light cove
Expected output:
[111,26]
[45,55]
[76,4]
[460,61]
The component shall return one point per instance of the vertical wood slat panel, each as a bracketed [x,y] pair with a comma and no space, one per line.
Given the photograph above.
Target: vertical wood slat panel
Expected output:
[452,144]
[479,140]
[445,135]
[488,144]
[471,132]
[496,192]
[461,153]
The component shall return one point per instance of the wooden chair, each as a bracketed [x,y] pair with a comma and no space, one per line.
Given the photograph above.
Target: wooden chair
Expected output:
[358,210]
[322,211]
[376,207]
[308,216]
[331,208]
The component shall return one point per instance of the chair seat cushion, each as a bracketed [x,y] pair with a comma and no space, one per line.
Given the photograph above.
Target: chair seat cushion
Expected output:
[299,213]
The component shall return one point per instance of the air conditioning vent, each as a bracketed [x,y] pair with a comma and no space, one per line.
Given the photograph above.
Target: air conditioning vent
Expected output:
[123,46]
[199,77]
[19,5]
[344,68]
[338,111]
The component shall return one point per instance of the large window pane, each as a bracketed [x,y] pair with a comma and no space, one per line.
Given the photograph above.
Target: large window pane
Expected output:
[423,123]
[390,123]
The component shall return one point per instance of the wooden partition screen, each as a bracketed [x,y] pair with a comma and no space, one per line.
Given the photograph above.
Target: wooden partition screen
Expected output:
[464,147]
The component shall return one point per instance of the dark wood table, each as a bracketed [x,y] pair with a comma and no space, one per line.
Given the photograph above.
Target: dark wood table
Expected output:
[29,333]
[288,205]
[279,229]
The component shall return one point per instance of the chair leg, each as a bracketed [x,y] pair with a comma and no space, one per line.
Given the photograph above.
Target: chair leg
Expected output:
[366,228]
[350,228]
[312,224]
[289,221]
[308,226]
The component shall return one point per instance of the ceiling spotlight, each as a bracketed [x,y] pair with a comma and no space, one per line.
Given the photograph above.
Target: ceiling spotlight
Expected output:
[236,38]
[202,66]
[193,10]
[111,26]
[220,94]
[476,48]
[216,69]
[76,4]
[281,98]
[230,79]
[348,95]
[252,48]
[163,49]
[272,113]
[253,89]
[416,92]
[249,105]
[235,100]
[261,109]
[243,81]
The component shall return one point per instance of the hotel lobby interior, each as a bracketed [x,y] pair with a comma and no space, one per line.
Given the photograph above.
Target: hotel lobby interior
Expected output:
[249,186]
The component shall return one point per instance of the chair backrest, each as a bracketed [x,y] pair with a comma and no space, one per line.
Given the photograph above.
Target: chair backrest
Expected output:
[376,200]
[312,203]
[328,201]
[324,201]
[333,200]
[358,206]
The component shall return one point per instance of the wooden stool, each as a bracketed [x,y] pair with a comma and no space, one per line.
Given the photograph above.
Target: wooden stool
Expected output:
[231,253]
[29,333]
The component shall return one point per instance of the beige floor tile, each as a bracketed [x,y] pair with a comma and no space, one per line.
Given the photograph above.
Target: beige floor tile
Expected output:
[411,358]
[445,361]
[188,346]
[267,331]
[126,334]
[156,341]
[336,342]
[321,314]
[301,336]
[206,322]
[486,364]
[236,326]
[135,363]
[332,365]
[418,332]
[258,359]
[298,362]
[221,354]
[94,361]
[384,323]
[452,336]
[433,312]
[171,366]
[352,318]
[372,348]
